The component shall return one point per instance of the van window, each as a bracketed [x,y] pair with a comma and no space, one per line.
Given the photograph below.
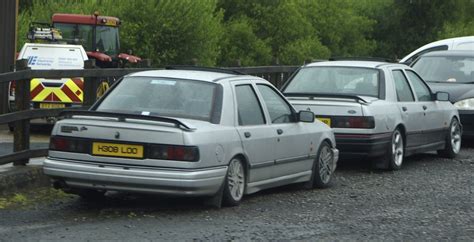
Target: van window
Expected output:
[452,69]
[436,48]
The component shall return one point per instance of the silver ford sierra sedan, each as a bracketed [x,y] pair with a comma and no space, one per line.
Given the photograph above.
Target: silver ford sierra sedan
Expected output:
[192,132]
[379,110]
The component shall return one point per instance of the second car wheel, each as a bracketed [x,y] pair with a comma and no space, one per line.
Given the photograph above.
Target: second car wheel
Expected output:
[396,151]
[234,185]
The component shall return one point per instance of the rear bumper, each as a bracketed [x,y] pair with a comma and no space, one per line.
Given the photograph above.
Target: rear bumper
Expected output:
[467,121]
[362,145]
[197,182]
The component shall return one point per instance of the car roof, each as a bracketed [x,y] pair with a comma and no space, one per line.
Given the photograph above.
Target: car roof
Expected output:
[351,63]
[466,53]
[209,76]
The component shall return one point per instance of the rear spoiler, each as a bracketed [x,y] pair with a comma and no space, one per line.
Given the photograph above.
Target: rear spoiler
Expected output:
[123,116]
[313,95]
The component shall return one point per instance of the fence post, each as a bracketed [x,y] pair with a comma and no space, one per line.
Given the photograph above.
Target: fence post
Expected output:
[89,84]
[21,135]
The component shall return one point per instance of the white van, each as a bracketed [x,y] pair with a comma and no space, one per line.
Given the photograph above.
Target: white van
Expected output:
[459,43]
[53,93]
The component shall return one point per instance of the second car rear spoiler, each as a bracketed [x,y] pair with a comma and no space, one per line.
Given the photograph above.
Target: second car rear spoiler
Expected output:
[313,95]
[122,116]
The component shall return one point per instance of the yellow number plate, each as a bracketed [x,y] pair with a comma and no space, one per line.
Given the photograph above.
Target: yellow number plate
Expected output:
[327,121]
[118,150]
[52,105]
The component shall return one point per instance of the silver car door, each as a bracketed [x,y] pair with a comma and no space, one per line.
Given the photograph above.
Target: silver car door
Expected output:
[434,121]
[258,138]
[411,111]
[293,140]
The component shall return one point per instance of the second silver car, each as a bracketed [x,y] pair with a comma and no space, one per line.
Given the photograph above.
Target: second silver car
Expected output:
[379,110]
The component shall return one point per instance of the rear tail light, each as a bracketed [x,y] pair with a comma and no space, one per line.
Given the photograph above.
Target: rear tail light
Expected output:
[173,152]
[69,144]
[354,122]
[160,152]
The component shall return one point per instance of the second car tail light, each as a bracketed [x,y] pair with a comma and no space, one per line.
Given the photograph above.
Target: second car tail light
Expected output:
[355,122]
[173,152]
[69,144]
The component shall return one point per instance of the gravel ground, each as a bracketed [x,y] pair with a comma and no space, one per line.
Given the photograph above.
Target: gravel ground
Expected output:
[429,199]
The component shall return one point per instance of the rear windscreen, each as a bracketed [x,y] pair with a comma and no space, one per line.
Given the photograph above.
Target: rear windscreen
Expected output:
[163,97]
[335,80]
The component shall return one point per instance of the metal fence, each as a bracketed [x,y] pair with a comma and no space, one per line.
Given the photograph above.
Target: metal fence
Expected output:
[92,79]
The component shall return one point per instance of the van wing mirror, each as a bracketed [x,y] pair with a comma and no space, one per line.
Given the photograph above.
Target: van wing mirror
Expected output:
[442,96]
[306,116]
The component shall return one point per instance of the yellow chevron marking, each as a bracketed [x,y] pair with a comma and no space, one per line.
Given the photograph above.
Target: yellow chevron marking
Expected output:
[74,88]
[42,95]
[56,90]
[61,95]
[34,83]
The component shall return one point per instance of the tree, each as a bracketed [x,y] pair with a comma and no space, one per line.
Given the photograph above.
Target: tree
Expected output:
[341,26]
[404,25]
[168,32]
[240,45]
[462,24]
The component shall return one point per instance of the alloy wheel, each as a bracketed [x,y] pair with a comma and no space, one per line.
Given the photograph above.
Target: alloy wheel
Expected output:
[455,136]
[397,148]
[236,180]
[326,164]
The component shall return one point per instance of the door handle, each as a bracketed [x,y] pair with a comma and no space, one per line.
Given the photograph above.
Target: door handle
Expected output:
[279,131]
[404,109]
[247,134]
[425,107]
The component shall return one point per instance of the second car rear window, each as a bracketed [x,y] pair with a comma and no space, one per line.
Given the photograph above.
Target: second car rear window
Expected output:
[335,80]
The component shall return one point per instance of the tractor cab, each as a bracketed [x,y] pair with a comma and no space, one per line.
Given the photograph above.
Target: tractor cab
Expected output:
[99,35]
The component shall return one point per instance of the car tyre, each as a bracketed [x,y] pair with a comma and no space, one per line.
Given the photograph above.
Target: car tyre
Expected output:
[395,151]
[453,140]
[323,167]
[234,184]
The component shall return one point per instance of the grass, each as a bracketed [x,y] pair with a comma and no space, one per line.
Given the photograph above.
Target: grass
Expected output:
[32,197]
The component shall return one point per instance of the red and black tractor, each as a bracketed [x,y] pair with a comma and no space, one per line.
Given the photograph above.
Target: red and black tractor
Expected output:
[99,35]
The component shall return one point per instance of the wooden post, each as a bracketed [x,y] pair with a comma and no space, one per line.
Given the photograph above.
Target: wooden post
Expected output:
[89,84]
[8,27]
[21,135]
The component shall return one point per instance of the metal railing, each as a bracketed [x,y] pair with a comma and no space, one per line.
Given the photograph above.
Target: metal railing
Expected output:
[92,79]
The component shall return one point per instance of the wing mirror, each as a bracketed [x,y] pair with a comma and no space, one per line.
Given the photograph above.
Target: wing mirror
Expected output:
[442,96]
[306,116]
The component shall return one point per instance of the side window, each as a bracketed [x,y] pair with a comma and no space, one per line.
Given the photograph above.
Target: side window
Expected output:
[404,93]
[421,90]
[279,110]
[248,107]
